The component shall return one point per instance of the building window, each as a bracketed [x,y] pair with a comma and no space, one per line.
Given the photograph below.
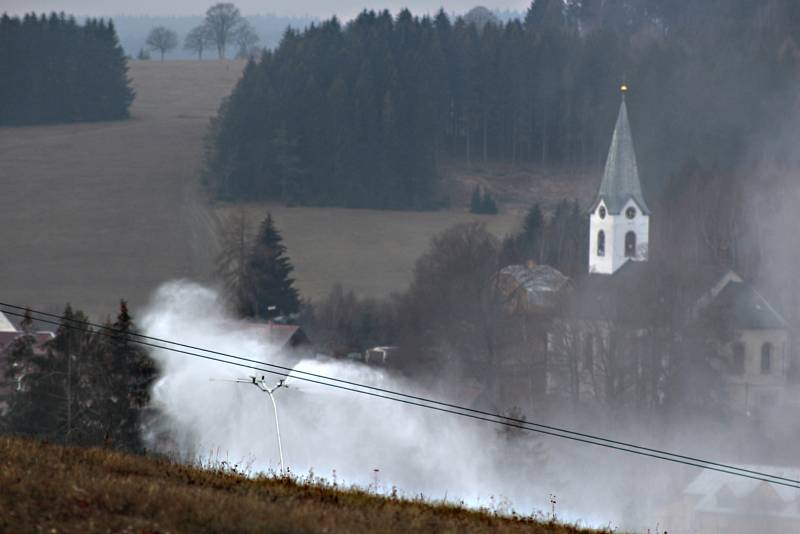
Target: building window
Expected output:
[738,358]
[630,245]
[630,212]
[766,358]
[601,243]
[602,212]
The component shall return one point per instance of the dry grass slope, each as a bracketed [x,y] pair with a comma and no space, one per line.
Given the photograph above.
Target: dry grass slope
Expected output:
[48,488]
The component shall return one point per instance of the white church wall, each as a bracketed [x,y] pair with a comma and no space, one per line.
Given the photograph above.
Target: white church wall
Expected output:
[601,264]
[754,390]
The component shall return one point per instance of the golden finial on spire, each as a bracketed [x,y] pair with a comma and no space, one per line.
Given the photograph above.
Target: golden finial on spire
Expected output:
[623,88]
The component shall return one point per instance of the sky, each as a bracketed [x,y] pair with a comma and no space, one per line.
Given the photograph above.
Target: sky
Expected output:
[319,8]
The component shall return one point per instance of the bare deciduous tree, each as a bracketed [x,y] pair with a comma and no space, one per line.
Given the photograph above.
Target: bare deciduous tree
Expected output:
[198,40]
[162,39]
[246,39]
[223,21]
[236,237]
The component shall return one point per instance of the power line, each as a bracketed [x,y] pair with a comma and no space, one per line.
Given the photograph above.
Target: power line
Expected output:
[420,401]
[399,394]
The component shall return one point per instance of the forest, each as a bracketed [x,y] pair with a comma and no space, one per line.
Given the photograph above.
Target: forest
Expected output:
[54,70]
[364,114]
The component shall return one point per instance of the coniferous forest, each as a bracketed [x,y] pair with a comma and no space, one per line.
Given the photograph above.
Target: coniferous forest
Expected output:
[364,114]
[53,69]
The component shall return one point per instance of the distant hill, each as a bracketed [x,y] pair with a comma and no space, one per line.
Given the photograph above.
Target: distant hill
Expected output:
[48,487]
[133,30]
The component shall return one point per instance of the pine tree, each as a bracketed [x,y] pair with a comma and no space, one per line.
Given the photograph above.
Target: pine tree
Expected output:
[488,205]
[269,289]
[45,403]
[125,382]
[532,233]
[18,359]
[476,201]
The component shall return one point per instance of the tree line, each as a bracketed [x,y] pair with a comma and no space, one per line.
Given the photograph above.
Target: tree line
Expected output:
[365,113]
[53,69]
[86,386]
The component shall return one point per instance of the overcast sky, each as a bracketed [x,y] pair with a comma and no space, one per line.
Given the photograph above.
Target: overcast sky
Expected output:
[319,8]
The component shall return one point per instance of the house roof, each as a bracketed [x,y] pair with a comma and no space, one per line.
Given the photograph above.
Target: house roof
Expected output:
[40,339]
[283,335]
[723,494]
[620,181]
[748,308]
[629,292]
[5,324]
[603,296]
[541,284]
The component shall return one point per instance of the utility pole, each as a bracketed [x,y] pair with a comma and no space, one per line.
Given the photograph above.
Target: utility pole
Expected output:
[261,384]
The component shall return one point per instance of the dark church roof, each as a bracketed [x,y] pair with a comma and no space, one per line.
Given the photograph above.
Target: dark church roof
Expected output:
[621,176]
[748,308]
[632,294]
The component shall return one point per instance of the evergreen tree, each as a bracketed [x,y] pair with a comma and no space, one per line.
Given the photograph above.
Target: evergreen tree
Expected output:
[130,374]
[46,402]
[364,114]
[476,201]
[269,290]
[54,70]
[19,359]
[532,233]
[488,205]
[85,388]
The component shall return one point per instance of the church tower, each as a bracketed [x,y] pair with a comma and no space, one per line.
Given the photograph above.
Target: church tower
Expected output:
[619,221]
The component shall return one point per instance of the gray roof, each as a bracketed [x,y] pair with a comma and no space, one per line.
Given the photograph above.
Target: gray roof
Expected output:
[748,308]
[542,284]
[621,176]
[5,324]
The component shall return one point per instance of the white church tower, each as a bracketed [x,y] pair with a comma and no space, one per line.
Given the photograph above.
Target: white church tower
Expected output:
[619,222]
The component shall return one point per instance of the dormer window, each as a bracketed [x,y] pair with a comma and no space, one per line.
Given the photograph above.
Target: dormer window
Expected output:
[602,212]
[630,212]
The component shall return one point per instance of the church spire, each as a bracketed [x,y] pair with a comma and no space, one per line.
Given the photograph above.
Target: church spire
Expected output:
[615,238]
[621,176]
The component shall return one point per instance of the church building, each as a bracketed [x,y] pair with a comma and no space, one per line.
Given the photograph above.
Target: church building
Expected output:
[758,361]
[612,317]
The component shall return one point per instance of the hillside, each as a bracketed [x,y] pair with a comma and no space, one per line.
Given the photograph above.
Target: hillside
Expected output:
[94,212]
[55,489]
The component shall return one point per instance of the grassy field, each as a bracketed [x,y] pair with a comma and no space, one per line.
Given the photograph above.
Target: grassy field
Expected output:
[91,213]
[47,488]
[94,212]
[372,252]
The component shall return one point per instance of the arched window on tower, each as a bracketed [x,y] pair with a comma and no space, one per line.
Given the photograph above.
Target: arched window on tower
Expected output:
[766,358]
[601,243]
[630,244]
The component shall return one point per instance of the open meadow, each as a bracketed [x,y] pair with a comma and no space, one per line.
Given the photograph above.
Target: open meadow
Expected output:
[95,212]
